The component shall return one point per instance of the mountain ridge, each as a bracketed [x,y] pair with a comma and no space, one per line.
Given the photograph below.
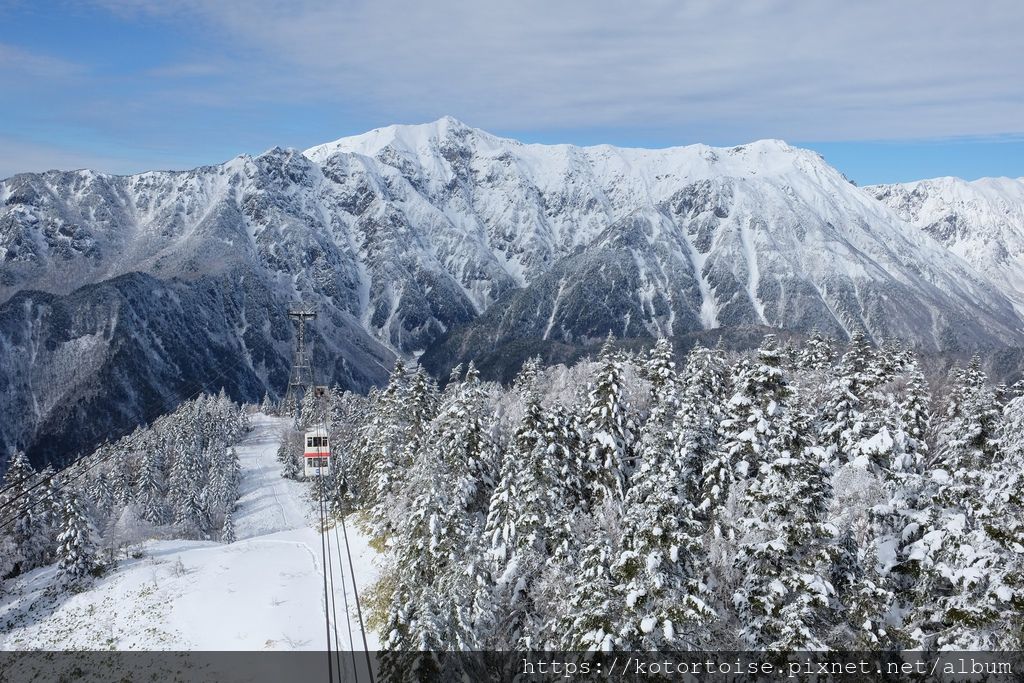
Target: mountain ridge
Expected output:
[407,238]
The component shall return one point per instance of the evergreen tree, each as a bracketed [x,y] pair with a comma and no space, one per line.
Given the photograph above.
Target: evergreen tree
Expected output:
[22,503]
[188,485]
[750,423]
[588,620]
[523,516]
[818,353]
[102,496]
[461,437]
[696,439]
[76,554]
[847,421]
[914,422]
[785,596]
[660,570]
[656,435]
[961,588]
[227,532]
[385,450]
[151,488]
[609,442]
[526,379]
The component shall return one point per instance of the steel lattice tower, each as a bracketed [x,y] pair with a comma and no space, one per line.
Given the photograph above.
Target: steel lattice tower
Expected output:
[301,378]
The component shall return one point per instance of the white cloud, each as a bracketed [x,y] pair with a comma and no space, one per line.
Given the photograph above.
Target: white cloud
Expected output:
[806,70]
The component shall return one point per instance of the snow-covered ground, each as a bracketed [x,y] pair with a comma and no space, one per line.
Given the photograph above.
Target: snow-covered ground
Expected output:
[263,592]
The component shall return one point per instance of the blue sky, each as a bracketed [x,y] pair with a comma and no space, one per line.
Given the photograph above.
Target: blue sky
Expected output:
[885,91]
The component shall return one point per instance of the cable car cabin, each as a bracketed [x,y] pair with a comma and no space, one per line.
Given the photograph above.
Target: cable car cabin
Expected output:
[317,454]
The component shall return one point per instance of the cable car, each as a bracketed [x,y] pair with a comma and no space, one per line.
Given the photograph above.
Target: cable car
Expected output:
[317,454]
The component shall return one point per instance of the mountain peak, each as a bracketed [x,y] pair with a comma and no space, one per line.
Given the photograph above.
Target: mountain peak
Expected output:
[413,136]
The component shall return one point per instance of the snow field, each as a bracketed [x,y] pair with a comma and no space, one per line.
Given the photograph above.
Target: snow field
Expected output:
[263,592]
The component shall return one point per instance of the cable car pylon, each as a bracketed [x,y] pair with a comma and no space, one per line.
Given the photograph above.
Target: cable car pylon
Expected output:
[300,380]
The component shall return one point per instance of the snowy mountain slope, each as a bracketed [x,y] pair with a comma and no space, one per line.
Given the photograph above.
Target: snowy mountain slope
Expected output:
[758,234]
[408,236]
[263,592]
[980,220]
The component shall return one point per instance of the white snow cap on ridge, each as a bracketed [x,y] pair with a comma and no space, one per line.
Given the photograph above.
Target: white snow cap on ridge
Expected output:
[417,139]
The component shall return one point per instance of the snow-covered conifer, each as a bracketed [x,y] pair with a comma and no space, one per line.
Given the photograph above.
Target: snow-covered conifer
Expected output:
[785,596]
[751,420]
[609,438]
[76,552]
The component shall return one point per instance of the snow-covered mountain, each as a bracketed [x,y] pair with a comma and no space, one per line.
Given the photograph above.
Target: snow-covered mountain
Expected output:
[980,220]
[144,287]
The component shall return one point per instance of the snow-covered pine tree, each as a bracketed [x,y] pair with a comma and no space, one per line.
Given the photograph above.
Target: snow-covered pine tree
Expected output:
[970,438]
[609,438]
[381,459]
[960,586]
[312,410]
[785,596]
[449,483]
[455,376]
[461,435]
[751,420]
[22,503]
[523,508]
[866,592]
[49,510]
[267,406]
[425,613]
[846,417]
[227,532]
[232,477]
[102,496]
[188,486]
[151,492]
[695,438]
[913,422]
[657,439]
[122,478]
[591,612]
[659,574]
[401,449]
[1003,521]
[76,552]
[818,353]
[526,379]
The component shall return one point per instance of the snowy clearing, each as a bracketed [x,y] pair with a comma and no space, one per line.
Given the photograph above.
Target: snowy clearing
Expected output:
[263,592]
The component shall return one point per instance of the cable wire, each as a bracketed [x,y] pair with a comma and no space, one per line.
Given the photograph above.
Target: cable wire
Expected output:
[355,592]
[348,616]
[327,616]
[330,557]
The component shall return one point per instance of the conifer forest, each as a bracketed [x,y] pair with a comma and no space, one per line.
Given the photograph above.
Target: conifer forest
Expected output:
[793,498]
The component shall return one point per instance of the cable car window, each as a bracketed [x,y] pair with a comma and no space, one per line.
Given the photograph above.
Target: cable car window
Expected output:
[309,441]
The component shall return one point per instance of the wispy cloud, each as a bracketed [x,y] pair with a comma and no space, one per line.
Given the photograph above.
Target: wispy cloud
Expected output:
[21,66]
[186,70]
[803,70]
